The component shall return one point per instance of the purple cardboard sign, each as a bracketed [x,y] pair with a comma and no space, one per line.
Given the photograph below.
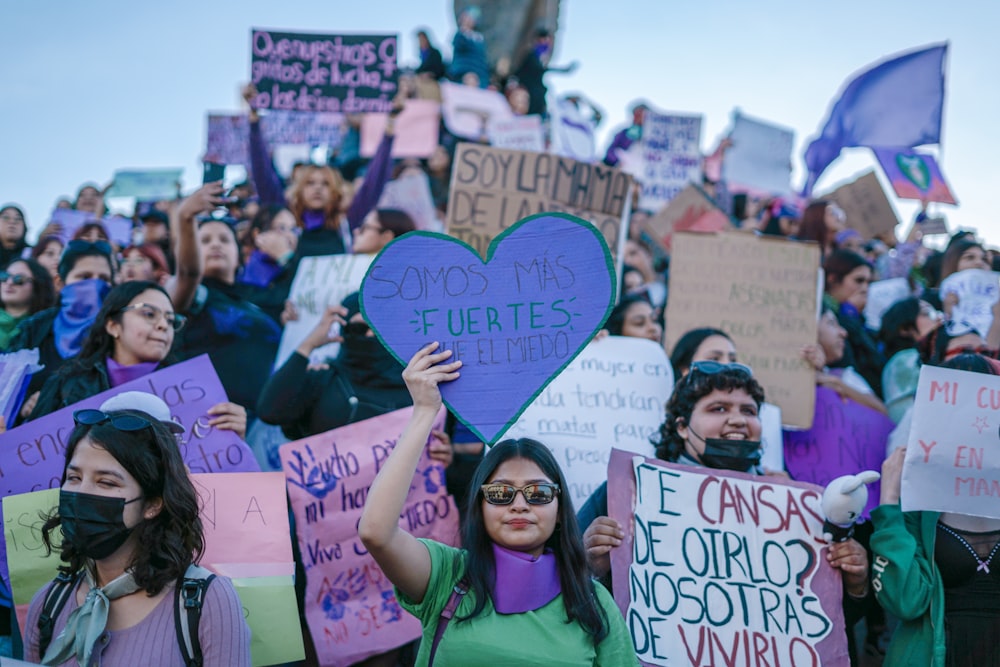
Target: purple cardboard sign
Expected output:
[32,455]
[515,320]
[845,439]
[914,175]
[716,562]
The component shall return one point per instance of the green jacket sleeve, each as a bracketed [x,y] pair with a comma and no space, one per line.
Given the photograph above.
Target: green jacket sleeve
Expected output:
[616,649]
[902,576]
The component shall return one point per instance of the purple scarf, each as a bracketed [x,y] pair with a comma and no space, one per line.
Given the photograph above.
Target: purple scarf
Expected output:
[119,374]
[79,304]
[524,583]
[313,219]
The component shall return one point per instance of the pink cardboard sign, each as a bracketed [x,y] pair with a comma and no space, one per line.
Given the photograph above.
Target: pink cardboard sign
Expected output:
[717,565]
[416,130]
[351,606]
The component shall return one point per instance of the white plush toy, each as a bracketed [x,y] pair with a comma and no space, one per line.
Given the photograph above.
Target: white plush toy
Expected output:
[843,500]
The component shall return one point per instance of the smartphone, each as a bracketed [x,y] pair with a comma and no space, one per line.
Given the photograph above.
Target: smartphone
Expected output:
[212,172]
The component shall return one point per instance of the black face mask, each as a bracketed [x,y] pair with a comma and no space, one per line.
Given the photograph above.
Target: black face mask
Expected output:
[93,525]
[737,455]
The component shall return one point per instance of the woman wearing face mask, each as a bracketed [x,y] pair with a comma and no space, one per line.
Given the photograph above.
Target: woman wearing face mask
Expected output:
[712,421]
[25,289]
[529,599]
[131,530]
[132,336]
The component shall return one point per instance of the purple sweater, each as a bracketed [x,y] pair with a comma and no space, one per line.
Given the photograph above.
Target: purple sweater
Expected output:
[224,635]
[271,191]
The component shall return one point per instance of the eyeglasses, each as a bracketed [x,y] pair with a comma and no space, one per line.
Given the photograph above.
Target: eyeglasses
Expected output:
[534,494]
[714,368]
[127,423]
[15,278]
[152,314]
[78,245]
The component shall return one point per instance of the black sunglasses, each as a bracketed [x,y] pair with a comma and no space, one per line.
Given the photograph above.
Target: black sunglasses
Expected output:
[535,494]
[127,423]
[15,278]
[78,245]
[714,368]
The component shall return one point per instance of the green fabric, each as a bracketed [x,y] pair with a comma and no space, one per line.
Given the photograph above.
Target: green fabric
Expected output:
[8,328]
[908,585]
[540,637]
[899,382]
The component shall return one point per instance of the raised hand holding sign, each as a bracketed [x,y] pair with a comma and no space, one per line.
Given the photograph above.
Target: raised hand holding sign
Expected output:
[515,320]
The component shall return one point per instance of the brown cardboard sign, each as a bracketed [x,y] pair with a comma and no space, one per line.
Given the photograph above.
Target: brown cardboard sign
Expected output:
[866,205]
[690,210]
[760,291]
[492,188]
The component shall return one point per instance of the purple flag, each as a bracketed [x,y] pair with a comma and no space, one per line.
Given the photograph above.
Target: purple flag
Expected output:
[896,103]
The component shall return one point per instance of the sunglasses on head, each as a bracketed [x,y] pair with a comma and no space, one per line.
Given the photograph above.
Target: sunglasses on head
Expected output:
[79,244]
[541,493]
[127,423]
[14,278]
[714,368]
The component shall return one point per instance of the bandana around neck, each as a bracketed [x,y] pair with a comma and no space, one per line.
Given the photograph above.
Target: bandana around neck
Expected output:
[524,583]
[119,374]
[79,304]
[87,622]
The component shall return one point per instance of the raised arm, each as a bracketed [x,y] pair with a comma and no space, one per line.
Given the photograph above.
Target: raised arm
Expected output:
[379,173]
[269,188]
[184,231]
[402,558]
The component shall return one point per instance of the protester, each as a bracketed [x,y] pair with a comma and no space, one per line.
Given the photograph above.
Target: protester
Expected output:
[523,563]
[634,317]
[91,200]
[379,228]
[622,141]
[822,220]
[25,289]
[468,50]
[847,278]
[145,261]
[132,336]
[13,230]
[961,255]
[431,63]
[844,379]
[903,325]
[704,344]
[131,534]
[269,246]
[531,72]
[86,272]
[933,572]
[47,252]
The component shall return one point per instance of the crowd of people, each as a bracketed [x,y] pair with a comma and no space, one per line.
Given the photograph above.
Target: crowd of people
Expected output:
[211,273]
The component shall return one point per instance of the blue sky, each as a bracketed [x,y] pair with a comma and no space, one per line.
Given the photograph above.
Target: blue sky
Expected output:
[88,88]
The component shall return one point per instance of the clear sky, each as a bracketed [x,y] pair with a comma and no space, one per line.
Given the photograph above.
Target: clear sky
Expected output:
[87,88]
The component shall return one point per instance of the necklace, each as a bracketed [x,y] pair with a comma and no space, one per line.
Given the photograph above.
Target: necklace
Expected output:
[984,565]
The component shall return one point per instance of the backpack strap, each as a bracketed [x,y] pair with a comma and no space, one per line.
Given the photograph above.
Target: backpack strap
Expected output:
[461,588]
[189,599]
[59,592]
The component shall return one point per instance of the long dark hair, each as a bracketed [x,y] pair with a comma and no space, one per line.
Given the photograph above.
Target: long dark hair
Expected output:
[566,541]
[99,344]
[813,226]
[839,264]
[174,538]
[43,290]
[949,263]
[616,320]
[687,392]
[899,325]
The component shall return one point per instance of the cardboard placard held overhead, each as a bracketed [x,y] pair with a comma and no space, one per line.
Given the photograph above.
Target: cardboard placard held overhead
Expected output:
[492,188]
[866,205]
[762,292]
[690,211]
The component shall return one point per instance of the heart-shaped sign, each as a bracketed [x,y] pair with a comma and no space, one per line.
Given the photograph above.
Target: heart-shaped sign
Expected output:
[515,320]
[915,169]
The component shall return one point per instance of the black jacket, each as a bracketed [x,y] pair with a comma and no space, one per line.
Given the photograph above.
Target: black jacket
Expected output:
[76,380]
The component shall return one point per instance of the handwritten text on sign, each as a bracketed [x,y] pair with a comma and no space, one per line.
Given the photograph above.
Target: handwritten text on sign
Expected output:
[977,291]
[310,72]
[671,157]
[723,568]
[952,458]
[612,395]
[351,607]
[762,293]
[514,321]
[492,188]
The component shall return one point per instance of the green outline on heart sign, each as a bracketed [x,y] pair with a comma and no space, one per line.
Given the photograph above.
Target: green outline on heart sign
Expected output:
[613,292]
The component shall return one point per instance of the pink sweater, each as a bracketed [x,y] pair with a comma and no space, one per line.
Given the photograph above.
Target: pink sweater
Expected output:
[225,637]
